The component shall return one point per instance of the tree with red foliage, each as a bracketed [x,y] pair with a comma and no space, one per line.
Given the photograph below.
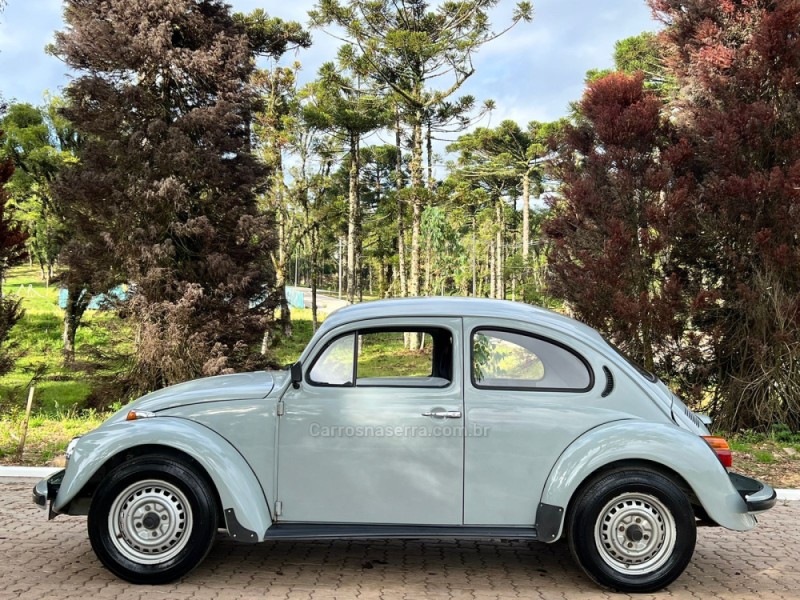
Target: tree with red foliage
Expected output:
[12,249]
[735,197]
[609,253]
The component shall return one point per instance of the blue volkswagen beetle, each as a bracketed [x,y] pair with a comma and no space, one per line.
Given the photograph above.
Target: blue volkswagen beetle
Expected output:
[425,417]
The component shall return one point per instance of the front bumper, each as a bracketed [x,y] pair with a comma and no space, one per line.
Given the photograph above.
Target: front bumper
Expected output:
[46,491]
[757,495]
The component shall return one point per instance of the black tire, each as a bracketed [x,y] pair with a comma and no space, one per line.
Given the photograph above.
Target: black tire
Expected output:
[637,518]
[165,520]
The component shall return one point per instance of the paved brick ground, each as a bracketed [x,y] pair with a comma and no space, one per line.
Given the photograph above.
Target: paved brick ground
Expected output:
[54,560]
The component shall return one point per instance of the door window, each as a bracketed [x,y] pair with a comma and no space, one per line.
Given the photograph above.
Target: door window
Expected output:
[387,357]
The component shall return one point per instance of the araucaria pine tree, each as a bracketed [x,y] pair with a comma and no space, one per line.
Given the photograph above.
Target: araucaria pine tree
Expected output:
[164,195]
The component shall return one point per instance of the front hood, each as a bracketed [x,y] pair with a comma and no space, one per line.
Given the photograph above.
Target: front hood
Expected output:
[240,386]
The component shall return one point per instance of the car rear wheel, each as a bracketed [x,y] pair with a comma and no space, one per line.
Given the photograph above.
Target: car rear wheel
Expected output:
[632,530]
[152,520]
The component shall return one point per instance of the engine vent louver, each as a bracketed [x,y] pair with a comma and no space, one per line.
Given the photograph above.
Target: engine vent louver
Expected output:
[693,417]
[609,382]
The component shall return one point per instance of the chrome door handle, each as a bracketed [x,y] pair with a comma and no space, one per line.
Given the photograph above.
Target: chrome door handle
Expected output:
[443,414]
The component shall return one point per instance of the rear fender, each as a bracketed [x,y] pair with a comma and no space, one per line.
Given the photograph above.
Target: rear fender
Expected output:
[244,504]
[662,445]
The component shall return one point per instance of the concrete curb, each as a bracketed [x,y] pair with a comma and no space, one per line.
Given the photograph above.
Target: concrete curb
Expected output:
[24,472]
[41,472]
[788,494]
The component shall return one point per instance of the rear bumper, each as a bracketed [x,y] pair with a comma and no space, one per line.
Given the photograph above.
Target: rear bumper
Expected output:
[46,491]
[757,495]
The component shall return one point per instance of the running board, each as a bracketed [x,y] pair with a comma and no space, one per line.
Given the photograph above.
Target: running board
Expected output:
[326,531]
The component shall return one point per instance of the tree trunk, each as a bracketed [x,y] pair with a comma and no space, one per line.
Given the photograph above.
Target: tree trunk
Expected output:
[77,303]
[417,194]
[401,227]
[280,278]
[314,275]
[340,267]
[492,272]
[431,184]
[526,216]
[280,263]
[429,150]
[526,229]
[498,258]
[474,255]
[352,220]
[382,278]
[388,280]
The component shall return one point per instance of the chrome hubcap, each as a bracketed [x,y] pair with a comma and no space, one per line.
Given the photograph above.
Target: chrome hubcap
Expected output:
[150,521]
[635,533]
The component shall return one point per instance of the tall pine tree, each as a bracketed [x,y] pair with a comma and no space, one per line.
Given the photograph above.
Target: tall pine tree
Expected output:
[422,54]
[164,195]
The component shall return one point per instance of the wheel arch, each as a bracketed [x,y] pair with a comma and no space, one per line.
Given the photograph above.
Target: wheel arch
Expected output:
[242,501]
[156,449]
[638,464]
[682,457]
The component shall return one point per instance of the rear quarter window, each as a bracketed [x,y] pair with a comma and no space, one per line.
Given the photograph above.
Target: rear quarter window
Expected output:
[509,359]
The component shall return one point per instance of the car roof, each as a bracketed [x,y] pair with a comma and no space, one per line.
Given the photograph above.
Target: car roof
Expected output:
[457,306]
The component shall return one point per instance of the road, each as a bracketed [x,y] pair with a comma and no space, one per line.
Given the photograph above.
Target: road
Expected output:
[325,303]
[41,560]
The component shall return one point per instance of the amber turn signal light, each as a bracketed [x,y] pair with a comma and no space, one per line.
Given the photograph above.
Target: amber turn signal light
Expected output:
[139,414]
[721,449]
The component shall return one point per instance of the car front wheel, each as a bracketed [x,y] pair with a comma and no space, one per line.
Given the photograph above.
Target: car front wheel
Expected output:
[152,520]
[632,530]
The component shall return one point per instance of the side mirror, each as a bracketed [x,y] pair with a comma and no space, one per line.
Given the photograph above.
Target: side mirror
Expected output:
[297,374]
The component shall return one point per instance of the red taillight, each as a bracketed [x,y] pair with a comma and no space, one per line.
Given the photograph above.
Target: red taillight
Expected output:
[721,448]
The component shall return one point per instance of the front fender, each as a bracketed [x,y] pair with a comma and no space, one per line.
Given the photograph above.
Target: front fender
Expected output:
[680,451]
[245,507]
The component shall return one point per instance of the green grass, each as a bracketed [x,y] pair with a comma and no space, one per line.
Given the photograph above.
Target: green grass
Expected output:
[288,350]
[739,446]
[48,435]
[36,340]
[385,355]
[764,456]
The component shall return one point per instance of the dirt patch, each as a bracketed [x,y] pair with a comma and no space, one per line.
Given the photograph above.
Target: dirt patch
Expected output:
[777,465]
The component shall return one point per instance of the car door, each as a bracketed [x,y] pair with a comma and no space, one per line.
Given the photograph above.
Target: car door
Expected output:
[534,392]
[374,432]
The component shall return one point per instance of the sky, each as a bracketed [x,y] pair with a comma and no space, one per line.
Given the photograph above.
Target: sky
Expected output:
[532,73]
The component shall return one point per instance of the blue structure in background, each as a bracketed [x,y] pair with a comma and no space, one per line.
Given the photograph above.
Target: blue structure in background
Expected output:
[118,293]
[295,298]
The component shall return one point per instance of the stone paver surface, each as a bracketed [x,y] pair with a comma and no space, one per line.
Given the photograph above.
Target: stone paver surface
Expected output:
[40,559]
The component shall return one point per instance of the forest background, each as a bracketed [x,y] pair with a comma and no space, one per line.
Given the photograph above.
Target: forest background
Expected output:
[154,212]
